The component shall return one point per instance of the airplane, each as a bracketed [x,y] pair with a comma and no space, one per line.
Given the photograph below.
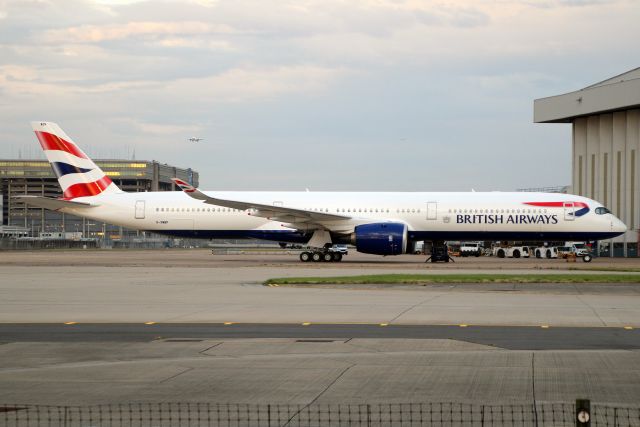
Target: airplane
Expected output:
[381,223]
[194,139]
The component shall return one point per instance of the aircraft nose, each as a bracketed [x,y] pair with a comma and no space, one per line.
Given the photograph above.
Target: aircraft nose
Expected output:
[618,226]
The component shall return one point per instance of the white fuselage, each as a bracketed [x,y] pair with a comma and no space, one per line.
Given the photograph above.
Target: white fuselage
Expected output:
[428,216]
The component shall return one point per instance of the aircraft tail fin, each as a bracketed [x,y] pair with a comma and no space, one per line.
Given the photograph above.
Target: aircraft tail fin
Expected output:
[77,174]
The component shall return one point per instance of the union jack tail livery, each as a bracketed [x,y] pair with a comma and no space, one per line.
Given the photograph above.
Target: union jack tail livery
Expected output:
[77,174]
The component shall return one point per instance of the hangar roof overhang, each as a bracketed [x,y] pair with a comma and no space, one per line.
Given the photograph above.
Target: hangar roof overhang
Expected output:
[621,92]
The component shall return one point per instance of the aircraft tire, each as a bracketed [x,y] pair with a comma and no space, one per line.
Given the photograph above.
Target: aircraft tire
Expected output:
[305,257]
[337,256]
[538,253]
[587,258]
[501,253]
[316,257]
[516,254]
[327,257]
[548,254]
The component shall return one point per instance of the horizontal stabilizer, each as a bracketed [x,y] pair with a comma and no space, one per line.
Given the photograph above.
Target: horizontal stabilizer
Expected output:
[52,204]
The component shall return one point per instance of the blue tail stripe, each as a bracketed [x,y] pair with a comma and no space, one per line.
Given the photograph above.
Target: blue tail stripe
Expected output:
[62,169]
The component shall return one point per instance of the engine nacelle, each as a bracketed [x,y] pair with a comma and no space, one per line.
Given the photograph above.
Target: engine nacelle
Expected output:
[381,238]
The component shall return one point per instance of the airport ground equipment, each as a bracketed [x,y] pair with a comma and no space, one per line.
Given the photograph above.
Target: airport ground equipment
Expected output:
[548,252]
[439,253]
[511,252]
[470,249]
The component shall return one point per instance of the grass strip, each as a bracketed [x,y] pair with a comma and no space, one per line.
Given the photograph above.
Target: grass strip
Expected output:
[419,279]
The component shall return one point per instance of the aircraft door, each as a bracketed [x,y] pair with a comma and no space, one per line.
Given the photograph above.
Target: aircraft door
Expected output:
[569,211]
[139,209]
[432,211]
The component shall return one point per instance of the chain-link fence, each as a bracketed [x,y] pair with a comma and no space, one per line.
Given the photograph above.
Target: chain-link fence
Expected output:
[272,415]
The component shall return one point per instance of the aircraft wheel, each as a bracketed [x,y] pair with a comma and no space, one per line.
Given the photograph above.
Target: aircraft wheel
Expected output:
[538,254]
[305,257]
[587,258]
[327,257]
[548,254]
[501,253]
[337,256]
[316,257]
[516,254]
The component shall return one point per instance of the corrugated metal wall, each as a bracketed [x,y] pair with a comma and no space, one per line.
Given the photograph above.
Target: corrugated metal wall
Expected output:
[605,164]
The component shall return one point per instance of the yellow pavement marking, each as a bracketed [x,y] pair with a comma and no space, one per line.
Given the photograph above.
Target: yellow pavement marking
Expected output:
[306,323]
[228,323]
[70,323]
[384,324]
[463,325]
[628,328]
[545,326]
[149,323]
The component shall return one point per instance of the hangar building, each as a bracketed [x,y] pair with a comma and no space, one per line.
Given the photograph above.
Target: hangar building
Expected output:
[35,177]
[605,119]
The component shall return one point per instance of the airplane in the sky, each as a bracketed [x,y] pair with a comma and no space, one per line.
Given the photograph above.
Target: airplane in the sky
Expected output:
[382,223]
[194,139]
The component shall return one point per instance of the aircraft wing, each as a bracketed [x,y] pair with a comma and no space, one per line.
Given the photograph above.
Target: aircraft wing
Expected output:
[52,204]
[278,213]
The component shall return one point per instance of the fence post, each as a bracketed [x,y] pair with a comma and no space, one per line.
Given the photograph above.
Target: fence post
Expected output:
[583,413]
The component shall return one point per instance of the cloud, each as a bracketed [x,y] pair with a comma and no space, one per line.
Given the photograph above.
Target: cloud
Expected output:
[101,33]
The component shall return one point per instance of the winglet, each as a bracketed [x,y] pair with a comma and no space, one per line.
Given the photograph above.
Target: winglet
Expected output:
[190,189]
[184,186]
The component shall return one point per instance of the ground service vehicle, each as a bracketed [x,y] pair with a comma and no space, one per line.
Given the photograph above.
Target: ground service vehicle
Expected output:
[470,249]
[511,252]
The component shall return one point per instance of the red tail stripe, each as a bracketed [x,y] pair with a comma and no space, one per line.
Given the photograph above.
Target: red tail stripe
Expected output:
[49,141]
[87,189]
[556,204]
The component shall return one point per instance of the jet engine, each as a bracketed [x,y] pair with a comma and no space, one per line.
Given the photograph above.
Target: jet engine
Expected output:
[382,238]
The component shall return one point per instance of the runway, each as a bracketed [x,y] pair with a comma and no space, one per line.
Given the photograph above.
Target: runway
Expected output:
[505,337]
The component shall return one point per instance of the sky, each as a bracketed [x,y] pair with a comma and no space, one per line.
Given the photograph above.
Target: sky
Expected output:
[368,95]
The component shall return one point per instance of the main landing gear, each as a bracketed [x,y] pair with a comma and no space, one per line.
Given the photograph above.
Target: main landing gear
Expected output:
[320,256]
[439,253]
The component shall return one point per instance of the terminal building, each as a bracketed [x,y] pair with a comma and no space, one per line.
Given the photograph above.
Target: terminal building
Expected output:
[35,177]
[605,118]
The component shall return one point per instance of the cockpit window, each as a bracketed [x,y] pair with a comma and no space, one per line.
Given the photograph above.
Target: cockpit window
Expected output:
[602,210]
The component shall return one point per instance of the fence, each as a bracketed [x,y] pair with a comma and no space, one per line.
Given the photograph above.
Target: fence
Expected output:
[284,415]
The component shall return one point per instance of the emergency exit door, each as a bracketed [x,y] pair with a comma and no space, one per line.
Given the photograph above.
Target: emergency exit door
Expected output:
[432,211]
[139,209]
[569,211]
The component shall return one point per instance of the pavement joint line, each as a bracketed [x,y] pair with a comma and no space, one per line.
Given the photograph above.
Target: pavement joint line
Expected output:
[93,324]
